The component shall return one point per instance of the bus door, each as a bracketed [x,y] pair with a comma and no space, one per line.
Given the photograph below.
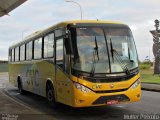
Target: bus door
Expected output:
[60,75]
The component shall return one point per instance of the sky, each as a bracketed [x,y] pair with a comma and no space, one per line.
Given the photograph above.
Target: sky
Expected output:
[36,15]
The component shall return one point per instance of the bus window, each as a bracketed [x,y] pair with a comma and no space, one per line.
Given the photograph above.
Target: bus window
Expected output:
[59,32]
[59,52]
[13,55]
[22,53]
[9,57]
[38,48]
[48,45]
[17,54]
[29,51]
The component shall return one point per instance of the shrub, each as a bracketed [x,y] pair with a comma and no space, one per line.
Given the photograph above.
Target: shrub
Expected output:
[145,65]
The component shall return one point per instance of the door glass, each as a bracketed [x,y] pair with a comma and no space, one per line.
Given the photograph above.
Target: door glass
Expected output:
[59,52]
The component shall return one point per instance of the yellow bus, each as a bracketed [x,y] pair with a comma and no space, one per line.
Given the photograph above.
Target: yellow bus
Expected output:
[78,63]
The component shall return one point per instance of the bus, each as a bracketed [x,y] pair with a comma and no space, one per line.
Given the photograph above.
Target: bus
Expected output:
[78,63]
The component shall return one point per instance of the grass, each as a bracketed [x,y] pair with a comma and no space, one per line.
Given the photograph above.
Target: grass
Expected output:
[3,67]
[148,77]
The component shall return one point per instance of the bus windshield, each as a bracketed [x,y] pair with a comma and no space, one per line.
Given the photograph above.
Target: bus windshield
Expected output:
[103,50]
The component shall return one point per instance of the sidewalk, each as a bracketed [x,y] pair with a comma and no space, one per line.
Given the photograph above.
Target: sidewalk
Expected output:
[11,109]
[10,106]
[151,87]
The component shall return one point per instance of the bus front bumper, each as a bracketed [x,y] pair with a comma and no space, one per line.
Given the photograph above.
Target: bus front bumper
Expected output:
[98,99]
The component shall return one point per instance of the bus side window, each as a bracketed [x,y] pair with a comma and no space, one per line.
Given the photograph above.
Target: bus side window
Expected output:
[17,54]
[59,52]
[38,48]
[29,51]
[22,53]
[10,55]
[48,45]
[13,55]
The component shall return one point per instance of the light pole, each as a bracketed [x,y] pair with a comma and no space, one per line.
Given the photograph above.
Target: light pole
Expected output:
[76,4]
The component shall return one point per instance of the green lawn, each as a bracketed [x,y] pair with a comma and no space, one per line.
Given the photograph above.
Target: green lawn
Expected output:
[148,77]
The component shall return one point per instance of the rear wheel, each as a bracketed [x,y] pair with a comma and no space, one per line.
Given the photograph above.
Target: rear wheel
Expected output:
[20,88]
[51,95]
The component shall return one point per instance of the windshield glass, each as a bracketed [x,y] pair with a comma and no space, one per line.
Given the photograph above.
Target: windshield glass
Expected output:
[124,53]
[92,50]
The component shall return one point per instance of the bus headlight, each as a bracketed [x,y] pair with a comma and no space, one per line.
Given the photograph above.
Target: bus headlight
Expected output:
[82,88]
[136,84]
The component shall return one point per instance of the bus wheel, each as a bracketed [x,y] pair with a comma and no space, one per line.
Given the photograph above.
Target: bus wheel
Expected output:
[51,95]
[20,88]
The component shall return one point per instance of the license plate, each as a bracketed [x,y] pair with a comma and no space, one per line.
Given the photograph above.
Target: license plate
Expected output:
[112,102]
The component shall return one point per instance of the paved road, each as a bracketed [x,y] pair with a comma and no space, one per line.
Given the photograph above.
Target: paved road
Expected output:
[149,104]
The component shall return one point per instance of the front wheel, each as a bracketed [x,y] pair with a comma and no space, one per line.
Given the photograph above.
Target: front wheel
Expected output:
[51,95]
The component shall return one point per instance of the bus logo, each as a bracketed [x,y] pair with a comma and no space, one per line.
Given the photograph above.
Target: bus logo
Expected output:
[97,86]
[111,85]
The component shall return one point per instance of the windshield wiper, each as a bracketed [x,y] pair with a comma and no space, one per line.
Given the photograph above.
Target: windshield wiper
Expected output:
[96,48]
[112,50]
[118,57]
[95,52]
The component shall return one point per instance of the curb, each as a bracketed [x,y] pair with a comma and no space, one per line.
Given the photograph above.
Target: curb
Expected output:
[151,83]
[147,89]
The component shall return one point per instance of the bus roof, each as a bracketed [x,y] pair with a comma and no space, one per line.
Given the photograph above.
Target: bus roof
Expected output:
[62,24]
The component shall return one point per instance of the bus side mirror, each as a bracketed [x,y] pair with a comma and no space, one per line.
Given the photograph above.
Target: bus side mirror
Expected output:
[68,45]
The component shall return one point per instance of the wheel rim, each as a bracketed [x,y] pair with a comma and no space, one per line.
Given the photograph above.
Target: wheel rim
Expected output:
[50,95]
[20,88]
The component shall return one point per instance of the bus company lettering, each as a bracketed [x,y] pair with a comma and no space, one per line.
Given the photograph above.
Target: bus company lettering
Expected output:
[97,86]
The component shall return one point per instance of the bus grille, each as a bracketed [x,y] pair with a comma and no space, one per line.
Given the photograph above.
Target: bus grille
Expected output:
[111,91]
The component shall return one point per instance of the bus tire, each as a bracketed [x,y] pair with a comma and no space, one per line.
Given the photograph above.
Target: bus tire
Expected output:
[50,93]
[20,87]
